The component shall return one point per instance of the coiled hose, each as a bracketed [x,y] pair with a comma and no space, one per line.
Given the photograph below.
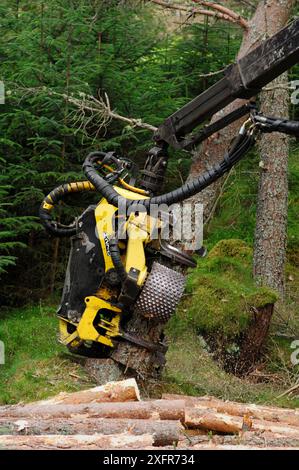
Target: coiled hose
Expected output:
[96,182]
[242,145]
[47,206]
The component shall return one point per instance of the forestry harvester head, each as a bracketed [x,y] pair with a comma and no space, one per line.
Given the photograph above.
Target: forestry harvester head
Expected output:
[120,267]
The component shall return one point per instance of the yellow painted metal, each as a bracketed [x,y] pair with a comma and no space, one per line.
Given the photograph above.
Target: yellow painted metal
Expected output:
[132,188]
[104,214]
[135,256]
[139,229]
[86,328]
[129,194]
[64,336]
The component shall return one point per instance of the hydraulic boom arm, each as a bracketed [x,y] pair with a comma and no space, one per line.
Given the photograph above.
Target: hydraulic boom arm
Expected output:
[244,79]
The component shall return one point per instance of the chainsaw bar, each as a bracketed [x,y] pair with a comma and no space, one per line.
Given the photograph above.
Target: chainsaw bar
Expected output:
[143,343]
[161,293]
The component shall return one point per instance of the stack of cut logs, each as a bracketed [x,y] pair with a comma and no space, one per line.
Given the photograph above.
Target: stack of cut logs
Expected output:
[113,417]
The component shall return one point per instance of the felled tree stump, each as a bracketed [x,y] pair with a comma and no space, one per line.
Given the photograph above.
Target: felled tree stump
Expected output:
[254,338]
[103,370]
[142,361]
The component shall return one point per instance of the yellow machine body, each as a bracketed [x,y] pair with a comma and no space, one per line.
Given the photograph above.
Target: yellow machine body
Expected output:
[100,321]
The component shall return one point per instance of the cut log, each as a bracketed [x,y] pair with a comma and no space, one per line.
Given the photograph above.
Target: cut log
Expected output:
[163,432]
[156,409]
[210,420]
[236,447]
[77,442]
[126,390]
[270,413]
[260,439]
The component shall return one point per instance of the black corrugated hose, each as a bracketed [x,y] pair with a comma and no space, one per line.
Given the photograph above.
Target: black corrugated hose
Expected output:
[116,259]
[240,147]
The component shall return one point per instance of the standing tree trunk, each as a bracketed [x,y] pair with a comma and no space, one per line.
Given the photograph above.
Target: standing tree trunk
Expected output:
[272,207]
[272,204]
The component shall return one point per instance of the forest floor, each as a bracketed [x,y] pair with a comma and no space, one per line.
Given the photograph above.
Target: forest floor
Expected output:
[37,366]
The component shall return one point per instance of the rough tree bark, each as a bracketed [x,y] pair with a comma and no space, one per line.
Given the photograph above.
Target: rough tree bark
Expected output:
[156,409]
[138,360]
[271,225]
[254,339]
[76,442]
[163,432]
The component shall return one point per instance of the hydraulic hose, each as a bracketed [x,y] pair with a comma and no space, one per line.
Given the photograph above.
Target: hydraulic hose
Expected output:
[269,124]
[48,204]
[241,146]
[116,259]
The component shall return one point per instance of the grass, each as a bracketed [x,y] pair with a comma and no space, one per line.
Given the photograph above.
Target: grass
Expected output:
[36,365]
[191,370]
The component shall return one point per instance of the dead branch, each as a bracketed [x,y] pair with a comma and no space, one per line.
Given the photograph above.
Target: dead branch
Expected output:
[98,109]
[294,388]
[211,74]
[221,13]
[101,107]
[234,17]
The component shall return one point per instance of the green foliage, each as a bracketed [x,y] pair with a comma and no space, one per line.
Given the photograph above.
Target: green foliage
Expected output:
[12,227]
[235,214]
[293,220]
[76,48]
[231,248]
